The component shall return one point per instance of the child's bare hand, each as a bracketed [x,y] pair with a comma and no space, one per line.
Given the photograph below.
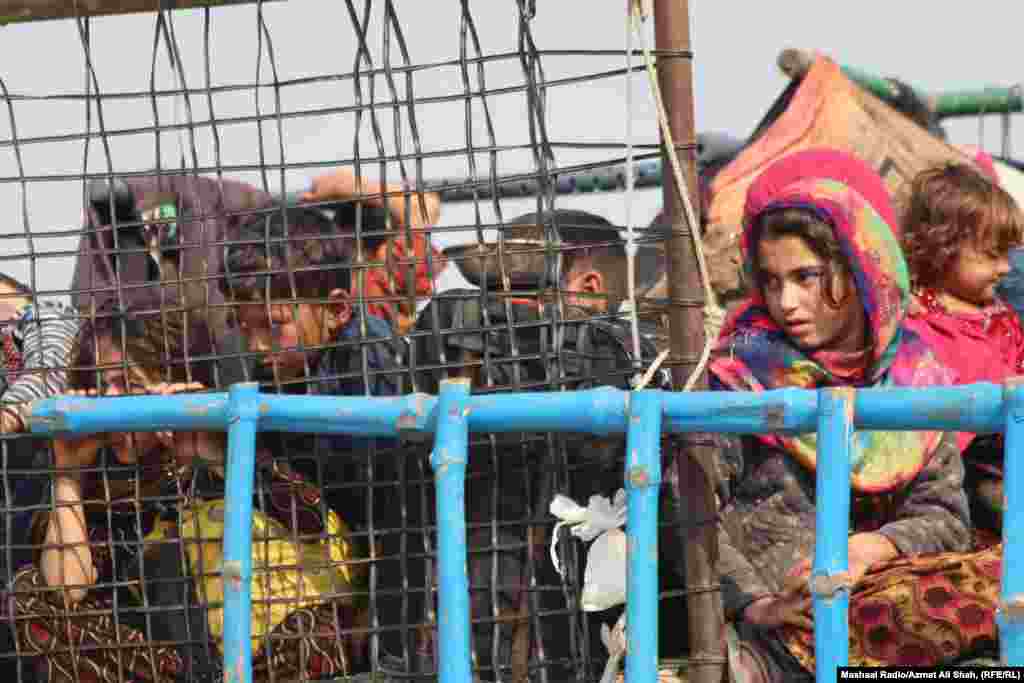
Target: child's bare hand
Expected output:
[343,183]
[169,388]
[82,393]
[339,184]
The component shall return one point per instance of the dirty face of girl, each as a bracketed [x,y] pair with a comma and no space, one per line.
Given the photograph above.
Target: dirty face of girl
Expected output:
[794,283]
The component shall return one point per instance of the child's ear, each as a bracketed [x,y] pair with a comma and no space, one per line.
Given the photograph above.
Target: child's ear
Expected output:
[339,310]
[590,282]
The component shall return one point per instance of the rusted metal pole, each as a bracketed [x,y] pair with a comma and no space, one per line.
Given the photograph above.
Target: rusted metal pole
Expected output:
[694,459]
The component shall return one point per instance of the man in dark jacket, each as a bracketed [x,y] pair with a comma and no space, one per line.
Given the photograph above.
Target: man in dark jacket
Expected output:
[513,341]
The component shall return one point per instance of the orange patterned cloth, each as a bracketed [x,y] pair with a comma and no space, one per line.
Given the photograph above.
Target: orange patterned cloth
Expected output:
[922,611]
[87,643]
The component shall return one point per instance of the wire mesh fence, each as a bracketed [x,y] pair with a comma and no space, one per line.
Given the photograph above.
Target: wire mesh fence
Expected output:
[261,196]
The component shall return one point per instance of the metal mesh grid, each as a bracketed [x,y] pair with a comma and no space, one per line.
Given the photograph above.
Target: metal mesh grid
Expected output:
[169,168]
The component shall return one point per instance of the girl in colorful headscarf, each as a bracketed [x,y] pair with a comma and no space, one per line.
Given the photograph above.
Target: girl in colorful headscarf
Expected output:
[830,290]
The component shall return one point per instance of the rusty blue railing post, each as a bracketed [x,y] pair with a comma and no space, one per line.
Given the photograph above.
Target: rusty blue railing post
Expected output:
[1011,609]
[243,416]
[829,583]
[449,459]
[643,484]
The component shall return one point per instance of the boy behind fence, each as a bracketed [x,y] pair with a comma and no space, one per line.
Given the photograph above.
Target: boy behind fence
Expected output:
[507,342]
[290,277]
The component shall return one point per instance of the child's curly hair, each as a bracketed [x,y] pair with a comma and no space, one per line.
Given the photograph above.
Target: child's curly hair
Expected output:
[952,205]
[274,250]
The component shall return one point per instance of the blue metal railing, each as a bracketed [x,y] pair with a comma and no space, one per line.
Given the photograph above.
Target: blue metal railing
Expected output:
[642,416]
[831,552]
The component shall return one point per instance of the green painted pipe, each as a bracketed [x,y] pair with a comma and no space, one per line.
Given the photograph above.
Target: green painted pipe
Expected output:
[946,105]
[974,102]
[991,100]
[876,85]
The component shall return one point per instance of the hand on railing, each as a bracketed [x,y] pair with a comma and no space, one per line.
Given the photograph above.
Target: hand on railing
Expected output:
[793,605]
[169,389]
[73,454]
[864,551]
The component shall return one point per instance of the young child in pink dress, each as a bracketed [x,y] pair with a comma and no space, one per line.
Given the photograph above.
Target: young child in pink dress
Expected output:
[958,230]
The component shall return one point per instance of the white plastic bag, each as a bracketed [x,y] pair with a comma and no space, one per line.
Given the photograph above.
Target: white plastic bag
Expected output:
[587,523]
[604,579]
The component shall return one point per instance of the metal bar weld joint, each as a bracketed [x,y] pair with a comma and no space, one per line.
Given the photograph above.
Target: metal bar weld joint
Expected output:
[827,585]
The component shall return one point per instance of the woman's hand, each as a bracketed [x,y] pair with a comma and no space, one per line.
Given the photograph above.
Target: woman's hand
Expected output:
[791,607]
[864,551]
[868,550]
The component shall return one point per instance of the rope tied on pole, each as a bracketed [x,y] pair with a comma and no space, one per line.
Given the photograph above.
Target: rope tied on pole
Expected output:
[714,314]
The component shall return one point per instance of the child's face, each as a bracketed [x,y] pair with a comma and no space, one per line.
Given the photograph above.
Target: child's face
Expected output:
[793,287]
[281,331]
[974,274]
[10,301]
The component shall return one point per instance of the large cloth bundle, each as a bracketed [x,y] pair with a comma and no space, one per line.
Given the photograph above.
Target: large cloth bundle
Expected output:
[823,109]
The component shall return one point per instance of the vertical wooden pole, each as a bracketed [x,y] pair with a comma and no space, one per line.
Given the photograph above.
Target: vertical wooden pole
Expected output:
[694,460]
